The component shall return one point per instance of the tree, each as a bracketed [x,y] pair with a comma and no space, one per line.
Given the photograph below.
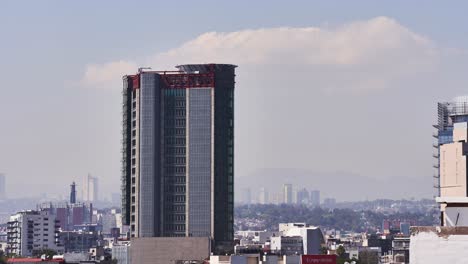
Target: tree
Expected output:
[340,251]
[49,253]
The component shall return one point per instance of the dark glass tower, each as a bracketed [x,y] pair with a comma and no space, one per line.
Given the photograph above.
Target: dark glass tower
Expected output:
[178,152]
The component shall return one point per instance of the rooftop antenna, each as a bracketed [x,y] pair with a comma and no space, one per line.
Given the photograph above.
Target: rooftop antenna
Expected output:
[140,70]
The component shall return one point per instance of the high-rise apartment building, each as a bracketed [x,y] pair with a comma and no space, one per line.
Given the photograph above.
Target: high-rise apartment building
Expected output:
[451,166]
[90,188]
[31,231]
[287,194]
[178,152]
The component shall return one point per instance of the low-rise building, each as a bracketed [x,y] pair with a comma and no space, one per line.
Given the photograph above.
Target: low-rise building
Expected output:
[32,231]
[287,245]
[312,237]
[438,244]
[121,252]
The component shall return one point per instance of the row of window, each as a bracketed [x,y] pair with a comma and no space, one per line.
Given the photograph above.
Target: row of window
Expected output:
[174,169]
[175,102]
[175,208]
[171,140]
[174,188]
[174,92]
[175,160]
[175,112]
[175,217]
[180,122]
[174,227]
[175,131]
[174,150]
[175,198]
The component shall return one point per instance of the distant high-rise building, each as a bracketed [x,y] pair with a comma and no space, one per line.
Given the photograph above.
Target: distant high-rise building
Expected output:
[287,194]
[315,197]
[247,196]
[263,196]
[2,187]
[302,196]
[178,152]
[90,189]
[73,193]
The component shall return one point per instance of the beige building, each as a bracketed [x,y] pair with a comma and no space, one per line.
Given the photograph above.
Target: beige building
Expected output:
[453,178]
[170,250]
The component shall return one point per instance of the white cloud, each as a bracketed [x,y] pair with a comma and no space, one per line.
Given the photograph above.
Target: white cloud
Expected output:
[358,43]
[107,75]
[285,116]
[359,56]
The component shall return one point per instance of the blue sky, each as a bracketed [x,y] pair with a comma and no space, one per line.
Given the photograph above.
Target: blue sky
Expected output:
[57,128]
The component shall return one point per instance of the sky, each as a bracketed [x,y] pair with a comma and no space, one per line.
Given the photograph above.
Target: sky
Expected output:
[322,87]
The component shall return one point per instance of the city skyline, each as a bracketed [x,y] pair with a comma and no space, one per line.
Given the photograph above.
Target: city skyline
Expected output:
[385,61]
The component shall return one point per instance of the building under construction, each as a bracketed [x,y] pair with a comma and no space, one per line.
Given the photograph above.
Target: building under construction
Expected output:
[178,152]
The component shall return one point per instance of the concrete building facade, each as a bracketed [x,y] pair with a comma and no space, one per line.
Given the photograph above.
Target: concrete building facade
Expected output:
[149,250]
[31,231]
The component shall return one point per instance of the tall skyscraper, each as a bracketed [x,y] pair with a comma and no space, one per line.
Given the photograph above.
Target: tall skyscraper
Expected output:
[178,152]
[90,188]
[287,194]
[2,187]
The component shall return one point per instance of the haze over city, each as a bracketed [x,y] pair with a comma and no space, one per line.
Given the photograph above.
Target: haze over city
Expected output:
[336,89]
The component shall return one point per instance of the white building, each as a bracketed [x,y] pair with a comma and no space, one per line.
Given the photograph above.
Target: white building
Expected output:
[436,244]
[90,189]
[312,236]
[30,231]
[287,245]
